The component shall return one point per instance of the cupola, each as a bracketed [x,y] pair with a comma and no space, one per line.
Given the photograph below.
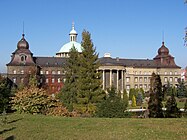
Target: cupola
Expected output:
[163,50]
[23,44]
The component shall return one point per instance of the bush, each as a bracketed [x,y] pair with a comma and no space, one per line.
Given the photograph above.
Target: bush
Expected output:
[112,107]
[31,100]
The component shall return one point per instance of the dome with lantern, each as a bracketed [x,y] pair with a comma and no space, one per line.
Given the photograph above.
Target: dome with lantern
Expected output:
[65,49]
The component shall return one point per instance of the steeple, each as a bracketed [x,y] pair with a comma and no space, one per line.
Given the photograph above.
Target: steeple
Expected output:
[73,34]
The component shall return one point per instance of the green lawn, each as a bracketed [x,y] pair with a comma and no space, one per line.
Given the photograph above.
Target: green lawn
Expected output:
[39,127]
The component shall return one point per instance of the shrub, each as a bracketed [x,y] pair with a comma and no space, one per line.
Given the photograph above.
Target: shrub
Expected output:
[31,100]
[112,107]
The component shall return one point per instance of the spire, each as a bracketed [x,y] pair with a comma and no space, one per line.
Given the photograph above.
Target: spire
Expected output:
[73,26]
[162,36]
[73,34]
[23,34]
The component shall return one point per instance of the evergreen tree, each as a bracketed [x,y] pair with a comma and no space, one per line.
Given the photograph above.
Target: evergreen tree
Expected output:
[172,110]
[112,107]
[181,89]
[131,93]
[125,97]
[139,99]
[69,90]
[133,101]
[5,94]
[89,91]
[156,96]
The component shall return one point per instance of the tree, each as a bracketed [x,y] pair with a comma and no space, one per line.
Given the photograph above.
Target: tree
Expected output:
[125,97]
[139,99]
[181,89]
[5,93]
[156,96]
[172,110]
[131,93]
[112,107]
[70,88]
[89,91]
[133,101]
[31,99]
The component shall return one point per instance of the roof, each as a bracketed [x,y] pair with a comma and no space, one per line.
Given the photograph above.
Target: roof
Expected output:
[69,45]
[137,63]
[50,61]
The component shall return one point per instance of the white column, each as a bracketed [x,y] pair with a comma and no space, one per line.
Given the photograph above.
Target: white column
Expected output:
[110,78]
[117,80]
[103,79]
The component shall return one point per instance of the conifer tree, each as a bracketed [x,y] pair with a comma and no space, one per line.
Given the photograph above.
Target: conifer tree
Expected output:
[133,101]
[172,110]
[125,97]
[69,90]
[89,91]
[181,89]
[156,96]
[113,106]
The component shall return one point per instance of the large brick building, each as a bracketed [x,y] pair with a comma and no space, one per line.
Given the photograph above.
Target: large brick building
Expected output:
[118,72]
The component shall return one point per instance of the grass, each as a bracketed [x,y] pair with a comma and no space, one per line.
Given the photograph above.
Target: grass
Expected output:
[39,127]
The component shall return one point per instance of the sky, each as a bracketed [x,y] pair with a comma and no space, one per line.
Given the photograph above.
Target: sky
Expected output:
[131,29]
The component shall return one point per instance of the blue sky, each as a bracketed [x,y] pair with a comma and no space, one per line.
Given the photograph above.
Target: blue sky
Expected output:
[124,28]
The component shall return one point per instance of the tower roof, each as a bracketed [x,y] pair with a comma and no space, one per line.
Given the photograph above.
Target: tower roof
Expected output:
[23,44]
[163,50]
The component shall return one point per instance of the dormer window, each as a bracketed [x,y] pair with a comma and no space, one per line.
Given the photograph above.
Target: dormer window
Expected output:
[23,57]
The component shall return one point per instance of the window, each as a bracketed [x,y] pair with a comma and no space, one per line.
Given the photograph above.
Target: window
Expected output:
[158,72]
[41,80]
[47,80]
[140,85]
[58,88]
[47,72]
[23,58]
[64,79]
[145,86]
[145,79]
[14,80]
[58,80]
[136,86]
[53,80]
[53,72]
[22,80]
[170,72]
[171,79]
[41,72]
[58,72]
[136,73]
[140,79]
[175,73]
[176,79]
[22,71]
[128,87]
[165,79]
[136,79]
[165,73]
[140,72]
[128,79]
[14,71]
[145,73]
